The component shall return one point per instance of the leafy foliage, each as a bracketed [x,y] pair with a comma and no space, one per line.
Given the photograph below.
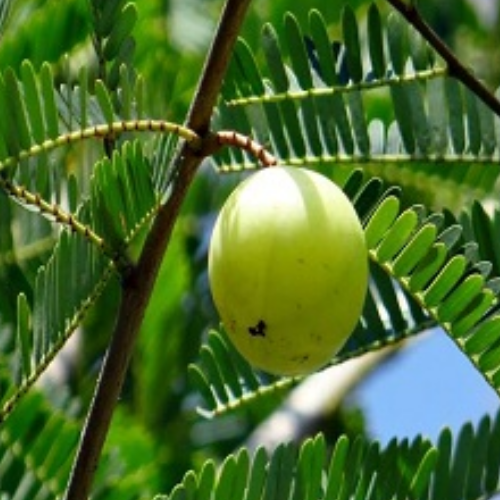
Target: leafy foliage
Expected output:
[86,163]
[42,333]
[122,202]
[357,469]
[36,450]
[37,446]
[315,105]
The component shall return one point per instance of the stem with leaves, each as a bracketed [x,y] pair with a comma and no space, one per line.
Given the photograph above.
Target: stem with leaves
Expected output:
[138,284]
[456,69]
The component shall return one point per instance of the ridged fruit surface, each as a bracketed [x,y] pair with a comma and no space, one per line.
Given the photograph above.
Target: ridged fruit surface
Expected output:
[288,269]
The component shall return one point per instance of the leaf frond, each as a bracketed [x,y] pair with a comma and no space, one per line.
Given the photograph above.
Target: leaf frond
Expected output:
[319,104]
[123,199]
[77,271]
[462,465]
[225,380]
[433,274]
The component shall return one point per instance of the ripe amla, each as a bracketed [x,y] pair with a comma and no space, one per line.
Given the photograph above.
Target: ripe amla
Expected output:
[288,269]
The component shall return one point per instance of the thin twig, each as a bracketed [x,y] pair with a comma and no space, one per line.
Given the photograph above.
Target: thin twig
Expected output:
[102,130]
[56,213]
[455,68]
[138,285]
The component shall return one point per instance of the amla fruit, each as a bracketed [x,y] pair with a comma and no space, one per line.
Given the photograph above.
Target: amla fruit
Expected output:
[288,269]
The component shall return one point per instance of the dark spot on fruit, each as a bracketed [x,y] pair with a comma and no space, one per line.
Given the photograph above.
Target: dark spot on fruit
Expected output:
[259,330]
[300,358]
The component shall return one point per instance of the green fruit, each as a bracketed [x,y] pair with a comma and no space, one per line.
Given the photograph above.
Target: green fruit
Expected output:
[288,269]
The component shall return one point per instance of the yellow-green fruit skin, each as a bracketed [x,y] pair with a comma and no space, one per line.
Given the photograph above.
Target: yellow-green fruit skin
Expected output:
[288,269]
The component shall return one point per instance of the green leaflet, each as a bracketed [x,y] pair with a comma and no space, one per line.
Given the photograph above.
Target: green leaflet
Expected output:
[358,124]
[122,27]
[324,53]
[106,16]
[297,52]
[18,121]
[33,101]
[463,296]
[476,309]
[397,236]
[352,44]
[104,100]
[300,64]
[381,221]
[49,102]
[274,59]
[375,35]
[397,42]
[24,334]
[413,253]
[114,23]
[456,115]
[445,280]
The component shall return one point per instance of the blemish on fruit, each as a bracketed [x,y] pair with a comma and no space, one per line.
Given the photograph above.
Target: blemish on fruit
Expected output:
[303,358]
[259,330]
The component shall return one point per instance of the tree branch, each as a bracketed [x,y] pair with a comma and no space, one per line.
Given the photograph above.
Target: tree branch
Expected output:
[138,285]
[455,67]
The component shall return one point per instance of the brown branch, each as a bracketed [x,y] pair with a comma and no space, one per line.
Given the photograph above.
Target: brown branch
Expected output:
[455,68]
[138,285]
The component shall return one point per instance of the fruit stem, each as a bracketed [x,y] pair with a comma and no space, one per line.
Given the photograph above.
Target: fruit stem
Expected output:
[232,138]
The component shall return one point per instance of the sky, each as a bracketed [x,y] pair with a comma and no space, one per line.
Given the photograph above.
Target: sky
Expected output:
[431,385]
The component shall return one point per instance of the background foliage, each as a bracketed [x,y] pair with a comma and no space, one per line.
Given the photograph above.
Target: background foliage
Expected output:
[416,152]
